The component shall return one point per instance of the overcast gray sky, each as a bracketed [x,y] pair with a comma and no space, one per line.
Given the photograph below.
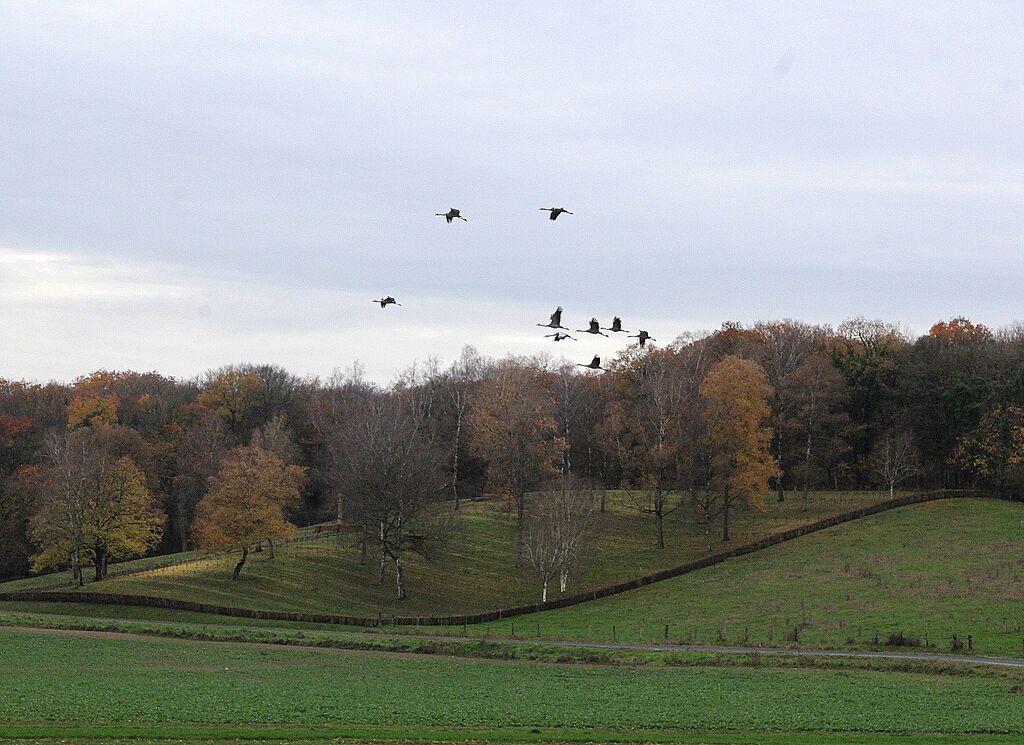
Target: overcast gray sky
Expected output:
[184,185]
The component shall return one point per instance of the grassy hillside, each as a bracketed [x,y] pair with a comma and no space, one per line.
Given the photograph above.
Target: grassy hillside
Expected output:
[937,569]
[148,687]
[65,578]
[476,572]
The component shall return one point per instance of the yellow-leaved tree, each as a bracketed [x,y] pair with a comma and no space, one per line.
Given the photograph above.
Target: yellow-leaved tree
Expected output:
[123,521]
[736,394]
[94,505]
[100,410]
[231,393]
[246,503]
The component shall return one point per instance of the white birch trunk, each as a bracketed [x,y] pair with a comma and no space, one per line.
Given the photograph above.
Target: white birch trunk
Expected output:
[383,555]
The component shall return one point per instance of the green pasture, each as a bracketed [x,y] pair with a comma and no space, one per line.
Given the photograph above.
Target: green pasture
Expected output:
[929,571]
[476,571]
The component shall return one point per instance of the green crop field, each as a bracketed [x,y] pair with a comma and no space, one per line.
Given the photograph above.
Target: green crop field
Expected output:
[152,687]
[937,569]
[475,573]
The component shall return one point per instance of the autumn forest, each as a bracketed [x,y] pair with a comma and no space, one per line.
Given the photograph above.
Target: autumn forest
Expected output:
[123,464]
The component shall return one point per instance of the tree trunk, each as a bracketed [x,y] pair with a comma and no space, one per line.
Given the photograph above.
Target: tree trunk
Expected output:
[76,569]
[270,545]
[707,533]
[659,523]
[383,555]
[455,461]
[400,584]
[100,562]
[725,517]
[780,485]
[520,517]
[566,457]
[182,527]
[604,478]
[807,472]
[563,579]
[241,563]
[544,592]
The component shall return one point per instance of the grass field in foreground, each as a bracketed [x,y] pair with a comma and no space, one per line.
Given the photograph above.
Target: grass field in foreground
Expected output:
[478,570]
[942,568]
[58,681]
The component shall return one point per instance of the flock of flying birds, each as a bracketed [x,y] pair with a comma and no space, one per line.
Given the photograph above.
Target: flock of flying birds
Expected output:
[556,318]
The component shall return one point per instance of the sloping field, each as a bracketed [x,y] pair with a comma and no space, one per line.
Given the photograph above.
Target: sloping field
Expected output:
[64,579]
[476,572]
[930,570]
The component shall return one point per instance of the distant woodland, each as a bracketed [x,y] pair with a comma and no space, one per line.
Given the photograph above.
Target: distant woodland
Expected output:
[120,464]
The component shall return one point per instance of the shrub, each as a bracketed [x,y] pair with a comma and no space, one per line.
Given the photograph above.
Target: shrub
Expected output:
[899,639]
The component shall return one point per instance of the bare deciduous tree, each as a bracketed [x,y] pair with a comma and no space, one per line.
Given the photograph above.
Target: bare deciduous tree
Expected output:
[782,346]
[332,408]
[199,450]
[709,507]
[817,391]
[513,428]
[555,534]
[460,383]
[649,416]
[894,458]
[388,468]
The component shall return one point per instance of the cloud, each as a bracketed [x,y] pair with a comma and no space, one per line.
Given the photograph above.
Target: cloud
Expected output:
[188,183]
[68,314]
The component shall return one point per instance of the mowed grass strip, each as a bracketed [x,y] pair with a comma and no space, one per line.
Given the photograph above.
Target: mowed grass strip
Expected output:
[476,573]
[935,570]
[75,679]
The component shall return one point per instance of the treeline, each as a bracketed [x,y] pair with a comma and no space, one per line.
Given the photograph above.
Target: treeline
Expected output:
[118,464]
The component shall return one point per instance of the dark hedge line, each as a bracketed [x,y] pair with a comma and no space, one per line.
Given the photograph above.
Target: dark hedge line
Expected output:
[495,615]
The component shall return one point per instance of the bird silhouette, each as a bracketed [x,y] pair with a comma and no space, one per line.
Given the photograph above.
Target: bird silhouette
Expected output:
[556,320]
[452,214]
[555,212]
[559,336]
[595,364]
[386,301]
[616,325]
[643,336]
[595,328]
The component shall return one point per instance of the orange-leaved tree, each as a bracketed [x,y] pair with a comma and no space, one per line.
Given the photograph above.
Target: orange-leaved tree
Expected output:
[246,503]
[736,394]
